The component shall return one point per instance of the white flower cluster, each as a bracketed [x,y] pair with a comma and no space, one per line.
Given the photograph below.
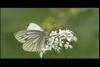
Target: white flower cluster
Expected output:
[58,39]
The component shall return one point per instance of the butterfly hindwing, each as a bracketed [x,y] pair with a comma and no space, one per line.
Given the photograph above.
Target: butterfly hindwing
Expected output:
[31,44]
[34,44]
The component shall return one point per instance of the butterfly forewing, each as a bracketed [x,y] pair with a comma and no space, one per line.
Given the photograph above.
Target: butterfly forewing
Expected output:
[23,36]
[20,35]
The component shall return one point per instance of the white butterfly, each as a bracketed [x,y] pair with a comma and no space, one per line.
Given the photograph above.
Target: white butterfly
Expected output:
[33,38]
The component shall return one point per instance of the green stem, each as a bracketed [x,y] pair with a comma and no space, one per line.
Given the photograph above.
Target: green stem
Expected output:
[64,52]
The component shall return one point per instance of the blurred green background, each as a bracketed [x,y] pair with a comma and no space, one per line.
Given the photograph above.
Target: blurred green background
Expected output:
[83,21]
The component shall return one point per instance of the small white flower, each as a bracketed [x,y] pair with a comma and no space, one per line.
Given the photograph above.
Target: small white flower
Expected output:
[70,46]
[58,49]
[53,33]
[41,54]
[61,43]
[66,46]
[75,39]
[56,41]
[69,39]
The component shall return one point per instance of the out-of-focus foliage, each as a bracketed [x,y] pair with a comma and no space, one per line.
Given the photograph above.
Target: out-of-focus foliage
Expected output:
[83,21]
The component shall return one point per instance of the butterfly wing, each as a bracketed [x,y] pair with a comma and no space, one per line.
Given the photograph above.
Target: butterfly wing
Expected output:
[35,44]
[33,26]
[20,36]
[23,36]
[31,45]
